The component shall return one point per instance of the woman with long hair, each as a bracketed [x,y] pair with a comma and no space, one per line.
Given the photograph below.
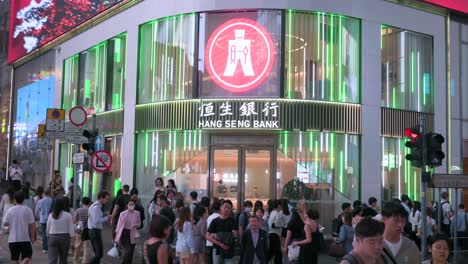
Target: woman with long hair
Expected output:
[59,229]
[159,185]
[310,245]
[8,201]
[283,218]
[28,200]
[184,236]
[414,218]
[294,231]
[171,185]
[156,249]
[129,221]
[346,234]
[200,215]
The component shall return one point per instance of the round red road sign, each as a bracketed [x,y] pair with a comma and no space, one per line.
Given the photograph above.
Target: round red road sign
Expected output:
[239,55]
[77,116]
[101,161]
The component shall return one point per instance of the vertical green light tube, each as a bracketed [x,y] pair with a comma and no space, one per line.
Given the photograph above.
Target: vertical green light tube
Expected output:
[165,162]
[174,151]
[341,171]
[342,95]
[394,98]
[317,162]
[117,186]
[289,52]
[332,151]
[185,140]
[165,65]
[153,61]
[412,71]
[146,149]
[311,141]
[317,17]
[286,143]
[181,54]
[117,47]
[332,54]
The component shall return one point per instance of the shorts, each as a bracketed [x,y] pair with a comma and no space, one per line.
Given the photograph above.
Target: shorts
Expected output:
[23,249]
[185,254]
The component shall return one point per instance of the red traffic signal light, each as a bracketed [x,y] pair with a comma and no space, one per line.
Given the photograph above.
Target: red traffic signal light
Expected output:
[412,133]
[415,144]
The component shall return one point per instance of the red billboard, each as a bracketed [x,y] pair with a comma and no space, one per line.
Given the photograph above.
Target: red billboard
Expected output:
[33,23]
[457,5]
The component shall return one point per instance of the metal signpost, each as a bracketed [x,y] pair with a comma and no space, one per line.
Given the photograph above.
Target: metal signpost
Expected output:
[55,127]
[74,135]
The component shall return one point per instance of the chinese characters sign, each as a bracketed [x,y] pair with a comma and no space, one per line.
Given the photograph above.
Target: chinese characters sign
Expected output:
[239,55]
[239,115]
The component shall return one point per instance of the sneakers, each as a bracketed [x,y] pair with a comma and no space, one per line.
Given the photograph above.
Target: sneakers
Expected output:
[44,251]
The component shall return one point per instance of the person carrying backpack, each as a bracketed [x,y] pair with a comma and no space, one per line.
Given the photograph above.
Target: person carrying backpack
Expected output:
[368,247]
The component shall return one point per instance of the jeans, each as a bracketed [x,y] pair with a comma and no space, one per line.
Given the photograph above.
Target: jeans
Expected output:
[218,259]
[44,237]
[127,247]
[96,240]
[58,248]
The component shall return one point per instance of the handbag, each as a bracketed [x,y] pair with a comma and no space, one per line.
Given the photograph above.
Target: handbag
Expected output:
[79,227]
[293,252]
[336,250]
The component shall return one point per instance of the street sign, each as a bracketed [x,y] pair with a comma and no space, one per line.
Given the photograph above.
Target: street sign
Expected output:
[99,145]
[101,161]
[78,158]
[77,116]
[450,180]
[41,131]
[55,121]
[44,143]
[74,134]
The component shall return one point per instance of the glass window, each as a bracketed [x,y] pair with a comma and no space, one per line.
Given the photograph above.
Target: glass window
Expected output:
[166,59]
[70,82]
[92,82]
[398,176]
[178,155]
[116,81]
[322,57]
[321,168]
[407,70]
[240,54]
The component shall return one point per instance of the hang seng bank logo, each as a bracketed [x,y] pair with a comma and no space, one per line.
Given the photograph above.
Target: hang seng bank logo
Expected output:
[239,55]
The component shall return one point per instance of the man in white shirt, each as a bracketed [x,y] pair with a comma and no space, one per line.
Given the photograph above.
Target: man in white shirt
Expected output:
[216,207]
[22,230]
[95,221]
[16,175]
[446,213]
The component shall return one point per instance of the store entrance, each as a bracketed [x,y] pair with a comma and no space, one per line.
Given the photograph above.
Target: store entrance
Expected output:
[242,171]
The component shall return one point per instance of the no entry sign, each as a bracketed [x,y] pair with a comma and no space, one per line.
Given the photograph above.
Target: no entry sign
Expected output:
[77,116]
[101,161]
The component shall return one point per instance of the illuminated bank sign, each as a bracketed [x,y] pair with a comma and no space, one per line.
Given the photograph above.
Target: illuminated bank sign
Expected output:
[239,115]
[239,55]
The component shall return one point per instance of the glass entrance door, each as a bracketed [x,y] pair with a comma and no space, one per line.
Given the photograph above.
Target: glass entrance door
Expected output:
[241,173]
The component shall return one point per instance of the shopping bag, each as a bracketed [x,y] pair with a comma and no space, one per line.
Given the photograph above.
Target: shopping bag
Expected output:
[293,252]
[114,251]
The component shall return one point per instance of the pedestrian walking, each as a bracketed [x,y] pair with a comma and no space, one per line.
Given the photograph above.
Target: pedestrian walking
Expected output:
[275,234]
[199,230]
[8,201]
[184,242]
[95,221]
[120,205]
[447,214]
[243,217]
[22,230]
[16,174]
[310,246]
[129,221]
[397,248]
[346,234]
[254,245]
[82,241]
[368,245]
[60,230]
[221,233]
[461,227]
[215,208]
[42,212]
[439,246]
[193,201]
[157,250]
[56,187]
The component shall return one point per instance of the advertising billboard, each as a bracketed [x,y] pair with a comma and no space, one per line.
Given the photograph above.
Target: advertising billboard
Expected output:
[33,23]
[457,5]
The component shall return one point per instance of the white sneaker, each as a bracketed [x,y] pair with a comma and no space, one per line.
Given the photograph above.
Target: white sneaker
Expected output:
[44,251]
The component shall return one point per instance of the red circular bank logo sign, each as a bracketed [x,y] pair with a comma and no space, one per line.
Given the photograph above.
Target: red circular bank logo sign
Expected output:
[239,55]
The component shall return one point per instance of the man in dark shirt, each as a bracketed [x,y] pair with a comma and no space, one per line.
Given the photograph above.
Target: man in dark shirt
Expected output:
[221,233]
[120,206]
[254,247]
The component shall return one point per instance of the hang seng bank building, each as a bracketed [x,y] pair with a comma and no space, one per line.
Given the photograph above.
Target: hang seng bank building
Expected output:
[254,100]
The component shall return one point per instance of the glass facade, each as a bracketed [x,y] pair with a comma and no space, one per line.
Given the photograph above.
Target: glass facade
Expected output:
[398,176]
[167,59]
[407,70]
[95,78]
[322,60]
[178,155]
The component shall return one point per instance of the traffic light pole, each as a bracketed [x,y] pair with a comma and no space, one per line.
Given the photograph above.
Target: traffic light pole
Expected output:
[422,127]
[75,179]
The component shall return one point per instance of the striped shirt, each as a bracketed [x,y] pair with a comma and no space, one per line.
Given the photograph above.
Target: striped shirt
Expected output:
[81,214]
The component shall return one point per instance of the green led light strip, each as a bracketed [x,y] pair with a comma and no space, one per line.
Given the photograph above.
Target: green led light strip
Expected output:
[289,52]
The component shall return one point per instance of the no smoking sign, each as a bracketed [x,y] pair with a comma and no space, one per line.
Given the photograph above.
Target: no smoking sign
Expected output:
[101,161]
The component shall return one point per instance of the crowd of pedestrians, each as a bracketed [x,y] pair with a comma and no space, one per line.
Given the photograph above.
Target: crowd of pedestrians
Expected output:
[191,230]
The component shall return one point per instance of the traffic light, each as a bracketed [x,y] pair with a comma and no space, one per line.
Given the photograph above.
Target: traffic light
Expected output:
[416,145]
[90,147]
[434,153]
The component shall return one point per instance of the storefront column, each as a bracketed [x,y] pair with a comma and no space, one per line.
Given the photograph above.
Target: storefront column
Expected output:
[371,140]
[128,138]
